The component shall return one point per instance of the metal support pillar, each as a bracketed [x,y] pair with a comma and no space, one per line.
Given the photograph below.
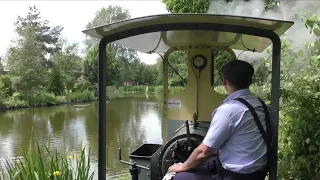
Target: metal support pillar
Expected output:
[102,110]
[275,96]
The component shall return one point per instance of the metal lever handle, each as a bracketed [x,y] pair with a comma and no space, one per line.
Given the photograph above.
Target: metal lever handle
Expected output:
[131,164]
[188,136]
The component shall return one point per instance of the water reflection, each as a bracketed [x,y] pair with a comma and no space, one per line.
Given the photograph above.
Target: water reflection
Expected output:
[131,120]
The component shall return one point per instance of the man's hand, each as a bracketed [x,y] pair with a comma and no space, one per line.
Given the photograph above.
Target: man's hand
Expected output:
[198,156]
[176,168]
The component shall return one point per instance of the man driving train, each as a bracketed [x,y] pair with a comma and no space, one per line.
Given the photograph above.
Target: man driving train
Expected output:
[234,148]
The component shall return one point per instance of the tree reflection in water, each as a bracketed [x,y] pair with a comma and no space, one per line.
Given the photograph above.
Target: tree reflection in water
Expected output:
[131,121]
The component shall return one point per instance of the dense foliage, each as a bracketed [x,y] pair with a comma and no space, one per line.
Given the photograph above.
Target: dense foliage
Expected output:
[202,6]
[300,113]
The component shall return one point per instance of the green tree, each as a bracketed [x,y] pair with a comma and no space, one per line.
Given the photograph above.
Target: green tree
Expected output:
[159,71]
[2,94]
[121,60]
[25,63]
[55,84]
[90,68]
[68,63]
[270,4]
[1,67]
[5,89]
[187,6]
[46,35]
[202,6]
[220,58]
[82,84]
[6,86]
[178,61]
[108,15]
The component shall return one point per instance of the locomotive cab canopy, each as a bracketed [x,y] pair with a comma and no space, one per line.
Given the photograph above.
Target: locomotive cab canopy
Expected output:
[187,114]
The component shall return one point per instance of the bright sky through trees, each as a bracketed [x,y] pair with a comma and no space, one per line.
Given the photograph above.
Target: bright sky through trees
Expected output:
[72,15]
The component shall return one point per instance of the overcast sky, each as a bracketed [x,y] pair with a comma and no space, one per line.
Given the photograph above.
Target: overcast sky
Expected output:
[72,15]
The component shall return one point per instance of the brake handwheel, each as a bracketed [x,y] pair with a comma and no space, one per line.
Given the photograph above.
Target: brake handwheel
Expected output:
[178,150]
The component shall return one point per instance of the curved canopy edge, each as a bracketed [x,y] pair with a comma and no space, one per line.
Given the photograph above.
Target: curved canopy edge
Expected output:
[161,41]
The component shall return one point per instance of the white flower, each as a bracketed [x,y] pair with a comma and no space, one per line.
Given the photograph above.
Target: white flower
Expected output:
[308,140]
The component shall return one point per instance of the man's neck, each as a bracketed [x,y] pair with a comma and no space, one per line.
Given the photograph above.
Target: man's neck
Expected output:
[232,90]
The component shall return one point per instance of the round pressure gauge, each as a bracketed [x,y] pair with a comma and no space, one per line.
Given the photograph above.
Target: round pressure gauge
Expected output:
[199,62]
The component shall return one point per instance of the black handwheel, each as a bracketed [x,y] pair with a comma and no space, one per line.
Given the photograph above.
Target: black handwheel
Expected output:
[176,150]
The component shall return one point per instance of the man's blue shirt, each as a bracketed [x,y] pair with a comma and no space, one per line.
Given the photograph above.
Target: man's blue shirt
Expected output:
[235,134]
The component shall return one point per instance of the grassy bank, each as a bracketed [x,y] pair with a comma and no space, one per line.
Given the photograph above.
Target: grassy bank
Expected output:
[48,99]
[142,89]
[45,99]
[260,91]
[131,89]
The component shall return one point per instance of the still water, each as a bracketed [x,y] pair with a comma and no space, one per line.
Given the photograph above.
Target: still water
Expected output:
[131,121]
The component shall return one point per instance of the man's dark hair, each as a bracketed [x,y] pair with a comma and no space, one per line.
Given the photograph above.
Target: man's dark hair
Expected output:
[239,73]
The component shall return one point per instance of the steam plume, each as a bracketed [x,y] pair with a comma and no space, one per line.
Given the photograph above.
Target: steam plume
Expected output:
[289,10]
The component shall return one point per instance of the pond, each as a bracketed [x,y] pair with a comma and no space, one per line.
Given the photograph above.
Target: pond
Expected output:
[132,119]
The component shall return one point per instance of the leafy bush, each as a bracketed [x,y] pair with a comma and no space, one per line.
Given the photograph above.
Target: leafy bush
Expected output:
[82,84]
[299,133]
[262,91]
[2,94]
[82,96]
[50,99]
[131,89]
[62,99]
[135,89]
[55,84]
[150,89]
[121,89]
[176,89]
[159,90]
[300,127]
[14,101]
[6,86]
[220,90]
[111,89]
[171,89]
[43,99]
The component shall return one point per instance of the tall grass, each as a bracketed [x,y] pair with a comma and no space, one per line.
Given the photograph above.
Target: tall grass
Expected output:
[131,89]
[171,89]
[40,163]
[82,96]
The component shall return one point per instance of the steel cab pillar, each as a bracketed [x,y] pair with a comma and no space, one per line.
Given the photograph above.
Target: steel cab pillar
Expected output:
[160,33]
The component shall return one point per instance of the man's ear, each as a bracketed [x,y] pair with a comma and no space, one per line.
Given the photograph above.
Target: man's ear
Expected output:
[224,82]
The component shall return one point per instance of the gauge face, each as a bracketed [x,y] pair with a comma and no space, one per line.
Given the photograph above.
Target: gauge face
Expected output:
[199,62]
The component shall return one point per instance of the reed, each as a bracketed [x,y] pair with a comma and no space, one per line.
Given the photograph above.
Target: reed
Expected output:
[42,163]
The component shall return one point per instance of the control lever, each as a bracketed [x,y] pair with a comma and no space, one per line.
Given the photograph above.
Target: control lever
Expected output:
[131,164]
[195,119]
[188,136]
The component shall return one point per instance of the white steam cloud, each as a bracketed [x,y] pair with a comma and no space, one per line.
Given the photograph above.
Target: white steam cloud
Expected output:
[290,10]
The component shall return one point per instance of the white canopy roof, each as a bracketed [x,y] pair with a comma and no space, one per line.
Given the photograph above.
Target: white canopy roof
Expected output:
[162,41]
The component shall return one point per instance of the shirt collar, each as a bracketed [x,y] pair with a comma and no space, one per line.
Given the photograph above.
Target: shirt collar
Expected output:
[237,94]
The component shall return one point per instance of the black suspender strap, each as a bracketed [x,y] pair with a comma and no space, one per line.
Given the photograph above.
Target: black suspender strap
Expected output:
[267,117]
[260,127]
